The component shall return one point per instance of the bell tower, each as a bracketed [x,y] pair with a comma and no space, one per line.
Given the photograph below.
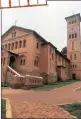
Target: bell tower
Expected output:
[74,45]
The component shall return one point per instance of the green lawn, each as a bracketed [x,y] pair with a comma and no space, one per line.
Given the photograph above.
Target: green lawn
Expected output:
[3,109]
[55,85]
[74,109]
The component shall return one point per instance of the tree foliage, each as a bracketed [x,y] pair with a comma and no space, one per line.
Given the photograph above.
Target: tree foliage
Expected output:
[64,51]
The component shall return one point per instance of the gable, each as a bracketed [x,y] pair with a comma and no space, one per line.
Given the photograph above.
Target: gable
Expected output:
[19,32]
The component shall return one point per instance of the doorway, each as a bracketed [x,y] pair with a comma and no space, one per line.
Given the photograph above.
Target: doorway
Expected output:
[73,76]
[12,60]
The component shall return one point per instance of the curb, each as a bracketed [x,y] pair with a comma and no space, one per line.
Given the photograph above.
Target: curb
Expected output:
[74,117]
[8,108]
[76,89]
[64,86]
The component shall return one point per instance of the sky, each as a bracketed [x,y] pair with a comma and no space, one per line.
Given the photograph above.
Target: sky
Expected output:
[49,21]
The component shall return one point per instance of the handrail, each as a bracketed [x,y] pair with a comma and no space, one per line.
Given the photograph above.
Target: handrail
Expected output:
[17,74]
[14,71]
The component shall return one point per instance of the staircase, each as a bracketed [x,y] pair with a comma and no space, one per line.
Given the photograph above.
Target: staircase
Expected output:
[17,80]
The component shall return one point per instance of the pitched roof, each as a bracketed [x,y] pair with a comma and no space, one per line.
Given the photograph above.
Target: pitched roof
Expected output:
[62,55]
[36,35]
[24,29]
[73,16]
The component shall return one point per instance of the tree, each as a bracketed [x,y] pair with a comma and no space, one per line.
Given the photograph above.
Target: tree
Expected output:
[64,51]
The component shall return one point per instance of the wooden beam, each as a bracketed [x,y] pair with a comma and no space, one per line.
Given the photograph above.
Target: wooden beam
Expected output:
[23,6]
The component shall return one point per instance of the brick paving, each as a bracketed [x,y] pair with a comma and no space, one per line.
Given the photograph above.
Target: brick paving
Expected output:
[40,104]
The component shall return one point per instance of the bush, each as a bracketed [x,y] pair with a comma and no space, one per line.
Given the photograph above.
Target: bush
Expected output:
[4,85]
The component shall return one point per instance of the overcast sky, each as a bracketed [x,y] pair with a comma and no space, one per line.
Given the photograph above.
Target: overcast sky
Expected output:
[48,21]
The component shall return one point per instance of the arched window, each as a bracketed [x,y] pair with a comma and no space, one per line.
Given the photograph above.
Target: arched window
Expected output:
[37,45]
[69,35]
[12,46]
[21,62]
[20,44]
[6,46]
[4,61]
[36,61]
[16,45]
[74,56]
[71,57]
[75,35]
[72,45]
[9,46]
[24,43]
[72,35]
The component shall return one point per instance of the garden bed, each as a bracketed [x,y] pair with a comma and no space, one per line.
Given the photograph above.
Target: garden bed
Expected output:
[74,109]
[3,108]
[55,85]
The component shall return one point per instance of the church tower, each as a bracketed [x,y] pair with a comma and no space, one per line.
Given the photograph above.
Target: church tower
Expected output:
[74,45]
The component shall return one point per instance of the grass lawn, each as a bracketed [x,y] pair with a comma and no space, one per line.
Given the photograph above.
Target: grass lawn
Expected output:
[74,109]
[3,109]
[55,85]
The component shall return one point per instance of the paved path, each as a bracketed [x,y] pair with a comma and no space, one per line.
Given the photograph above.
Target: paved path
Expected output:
[20,99]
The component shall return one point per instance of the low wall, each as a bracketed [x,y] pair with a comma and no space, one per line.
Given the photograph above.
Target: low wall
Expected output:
[26,81]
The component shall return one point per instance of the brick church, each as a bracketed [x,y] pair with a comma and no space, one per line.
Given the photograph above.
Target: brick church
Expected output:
[29,60]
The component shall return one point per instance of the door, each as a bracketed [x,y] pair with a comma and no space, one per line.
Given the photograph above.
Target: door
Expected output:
[74,76]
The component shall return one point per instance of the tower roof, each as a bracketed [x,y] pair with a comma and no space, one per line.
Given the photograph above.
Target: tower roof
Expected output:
[74,15]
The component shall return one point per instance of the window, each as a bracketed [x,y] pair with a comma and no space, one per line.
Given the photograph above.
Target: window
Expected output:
[69,22]
[72,35]
[4,61]
[16,45]
[12,46]
[37,45]
[50,63]
[9,46]
[70,66]
[36,61]
[50,49]
[6,46]
[72,45]
[24,43]
[21,62]
[20,44]
[75,21]
[52,56]
[71,56]
[14,34]
[69,35]
[73,66]
[74,56]
[75,35]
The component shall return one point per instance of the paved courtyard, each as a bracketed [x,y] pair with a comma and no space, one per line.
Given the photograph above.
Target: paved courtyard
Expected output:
[34,104]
